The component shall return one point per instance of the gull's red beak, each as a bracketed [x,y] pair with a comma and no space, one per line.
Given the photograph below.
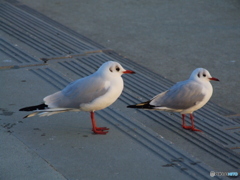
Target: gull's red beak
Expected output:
[214,79]
[128,72]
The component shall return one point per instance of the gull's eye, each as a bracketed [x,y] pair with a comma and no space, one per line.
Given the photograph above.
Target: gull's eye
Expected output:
[204,75]
[117,69]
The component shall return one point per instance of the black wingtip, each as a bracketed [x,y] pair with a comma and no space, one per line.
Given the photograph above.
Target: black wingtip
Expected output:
[132,106]
[32,108]
[144,105]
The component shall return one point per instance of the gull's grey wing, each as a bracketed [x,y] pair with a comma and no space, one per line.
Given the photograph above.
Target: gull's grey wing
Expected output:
[182,95]
[80,91]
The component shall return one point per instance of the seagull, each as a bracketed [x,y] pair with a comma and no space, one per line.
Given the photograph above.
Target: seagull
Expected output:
[184,97]
[94,92]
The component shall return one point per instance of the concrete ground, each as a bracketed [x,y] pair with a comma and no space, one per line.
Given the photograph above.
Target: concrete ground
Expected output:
[171,38]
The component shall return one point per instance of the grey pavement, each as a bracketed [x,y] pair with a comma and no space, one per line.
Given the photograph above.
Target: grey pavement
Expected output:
[47,44]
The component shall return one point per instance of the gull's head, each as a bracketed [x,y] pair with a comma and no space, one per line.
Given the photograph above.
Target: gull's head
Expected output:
[201,74]
[112,68]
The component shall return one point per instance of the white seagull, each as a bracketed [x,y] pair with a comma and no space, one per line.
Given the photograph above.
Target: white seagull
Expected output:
[91,93]
[184,97]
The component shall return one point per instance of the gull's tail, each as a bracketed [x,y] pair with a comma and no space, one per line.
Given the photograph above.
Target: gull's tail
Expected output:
[37,107]
[43,110]
[143,105]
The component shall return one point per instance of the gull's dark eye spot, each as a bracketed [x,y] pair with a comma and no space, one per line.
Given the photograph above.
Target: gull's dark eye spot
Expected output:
[198,75]
[117,69]
[110,69]
[204,75]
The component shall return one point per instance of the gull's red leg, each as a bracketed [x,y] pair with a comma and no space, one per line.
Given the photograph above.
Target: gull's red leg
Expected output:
[192,121]
[95,129]
[183,123]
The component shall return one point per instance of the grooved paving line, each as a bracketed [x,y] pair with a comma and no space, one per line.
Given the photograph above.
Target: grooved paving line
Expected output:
[49,23]
[39,35]
[13,56]
[17,55]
